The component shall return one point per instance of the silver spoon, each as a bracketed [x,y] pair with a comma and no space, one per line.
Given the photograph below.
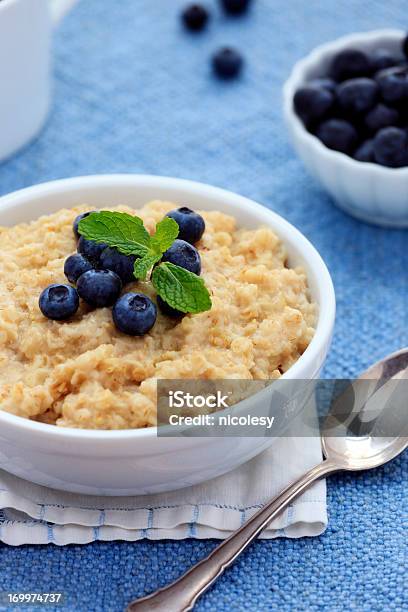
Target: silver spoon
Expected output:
[354,437]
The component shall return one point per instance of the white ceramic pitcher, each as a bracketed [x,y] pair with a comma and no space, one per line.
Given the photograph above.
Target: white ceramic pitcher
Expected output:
[25,58]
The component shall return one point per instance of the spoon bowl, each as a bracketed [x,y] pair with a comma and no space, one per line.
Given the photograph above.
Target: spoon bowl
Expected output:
[365,426]
[363,453]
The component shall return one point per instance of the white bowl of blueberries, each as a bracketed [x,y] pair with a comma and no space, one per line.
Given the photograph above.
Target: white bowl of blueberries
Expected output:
[346,107]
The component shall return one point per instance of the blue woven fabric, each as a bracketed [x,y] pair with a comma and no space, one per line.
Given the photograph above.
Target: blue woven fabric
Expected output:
[134,93]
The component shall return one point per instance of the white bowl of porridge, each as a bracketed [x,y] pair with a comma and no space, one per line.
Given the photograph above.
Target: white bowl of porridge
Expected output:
[78,407]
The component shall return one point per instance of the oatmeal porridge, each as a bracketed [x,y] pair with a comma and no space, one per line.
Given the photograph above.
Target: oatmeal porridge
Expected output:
[85,373]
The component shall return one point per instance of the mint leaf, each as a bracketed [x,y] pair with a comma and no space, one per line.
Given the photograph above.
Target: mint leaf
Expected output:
[120,230]
[144,264]
[167,231]
[181,289]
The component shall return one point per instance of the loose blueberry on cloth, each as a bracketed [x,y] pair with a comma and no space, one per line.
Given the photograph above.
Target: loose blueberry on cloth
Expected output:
[227,62]
[195,17]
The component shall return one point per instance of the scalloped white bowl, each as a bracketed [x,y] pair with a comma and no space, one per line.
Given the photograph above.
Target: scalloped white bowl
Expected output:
[370,192]
[131,462]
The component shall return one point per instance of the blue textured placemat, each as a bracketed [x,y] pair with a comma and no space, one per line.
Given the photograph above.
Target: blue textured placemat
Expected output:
[134,93]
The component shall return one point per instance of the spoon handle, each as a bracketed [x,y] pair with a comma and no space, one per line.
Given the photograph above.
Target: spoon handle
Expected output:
[181,595]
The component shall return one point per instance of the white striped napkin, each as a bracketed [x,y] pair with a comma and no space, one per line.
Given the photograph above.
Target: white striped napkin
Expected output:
[31,514]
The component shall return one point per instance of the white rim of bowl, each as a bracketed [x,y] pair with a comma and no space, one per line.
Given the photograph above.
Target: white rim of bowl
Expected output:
[327,310]
[297,78]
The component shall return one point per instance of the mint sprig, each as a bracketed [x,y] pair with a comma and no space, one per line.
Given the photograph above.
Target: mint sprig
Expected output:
[180,288]
[128,234]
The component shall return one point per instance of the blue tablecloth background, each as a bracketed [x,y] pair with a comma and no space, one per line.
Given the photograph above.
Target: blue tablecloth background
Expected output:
[134,93]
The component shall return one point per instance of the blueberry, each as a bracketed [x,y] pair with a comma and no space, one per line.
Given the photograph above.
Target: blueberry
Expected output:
[91,250]
[349,64]
[312,103]
[357,96]
[393,84]
[405,46]
[338,134]
[121,264]
[391,147]
[381,116]
[167,310]
[59,302]
[191,224]
[134,314]
[78,219]
[380,59]
[99,288]
[183,254]
[227,63]
[235,7]
[324,82]
[75,266]
[365,152]
[195,17]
